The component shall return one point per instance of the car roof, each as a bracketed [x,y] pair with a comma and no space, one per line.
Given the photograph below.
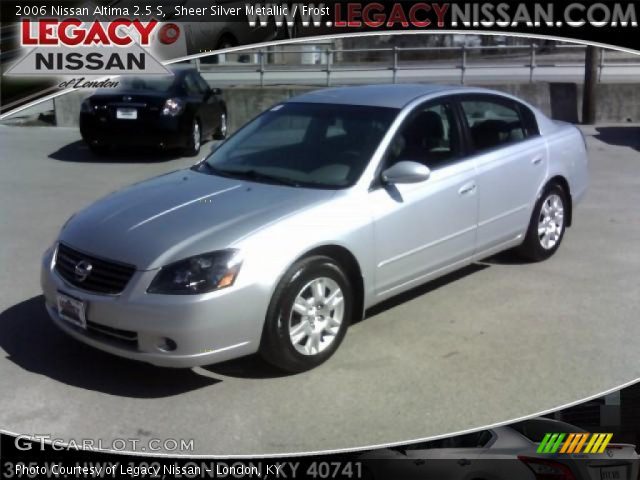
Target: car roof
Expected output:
[389,95]
[182,67]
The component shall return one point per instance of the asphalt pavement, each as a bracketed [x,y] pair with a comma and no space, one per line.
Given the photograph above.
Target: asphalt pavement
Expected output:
[496,341]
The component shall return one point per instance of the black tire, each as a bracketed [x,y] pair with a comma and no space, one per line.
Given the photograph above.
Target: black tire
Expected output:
[276,346]
[533,247]
[195,140]
[223,127]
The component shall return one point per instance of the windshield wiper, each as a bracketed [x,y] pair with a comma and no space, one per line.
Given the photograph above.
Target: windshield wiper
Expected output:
[252,174]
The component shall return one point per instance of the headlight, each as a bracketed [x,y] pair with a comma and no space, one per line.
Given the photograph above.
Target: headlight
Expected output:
[200,274]
[173,107]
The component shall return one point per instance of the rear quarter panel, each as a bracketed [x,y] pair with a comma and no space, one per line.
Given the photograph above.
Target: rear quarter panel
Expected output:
[568,156]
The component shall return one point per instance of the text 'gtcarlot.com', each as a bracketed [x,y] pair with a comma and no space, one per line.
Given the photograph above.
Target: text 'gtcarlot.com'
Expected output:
[42,442]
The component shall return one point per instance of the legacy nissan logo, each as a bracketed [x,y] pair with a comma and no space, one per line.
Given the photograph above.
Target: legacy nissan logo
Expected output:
[75,47]
[82,270]
[73,32]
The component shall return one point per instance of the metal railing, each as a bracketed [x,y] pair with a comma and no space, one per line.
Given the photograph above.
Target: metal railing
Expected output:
[462,58]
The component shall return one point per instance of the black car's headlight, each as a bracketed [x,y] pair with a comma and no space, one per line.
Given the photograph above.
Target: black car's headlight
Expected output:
[198,274]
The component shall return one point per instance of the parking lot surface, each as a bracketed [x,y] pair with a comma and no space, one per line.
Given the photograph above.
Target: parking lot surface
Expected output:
[496,341]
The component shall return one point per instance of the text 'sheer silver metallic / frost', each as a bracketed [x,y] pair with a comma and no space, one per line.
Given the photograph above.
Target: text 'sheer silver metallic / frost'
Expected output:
[319,208]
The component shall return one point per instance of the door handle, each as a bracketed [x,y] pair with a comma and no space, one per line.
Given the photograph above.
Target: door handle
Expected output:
[467,189]
[537,160]
[419,462]
[463,462]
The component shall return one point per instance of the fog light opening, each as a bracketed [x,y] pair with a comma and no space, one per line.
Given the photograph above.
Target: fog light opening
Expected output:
[167,345]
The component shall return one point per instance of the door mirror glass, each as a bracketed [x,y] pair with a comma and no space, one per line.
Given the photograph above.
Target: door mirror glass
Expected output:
[406,172]
[216,91]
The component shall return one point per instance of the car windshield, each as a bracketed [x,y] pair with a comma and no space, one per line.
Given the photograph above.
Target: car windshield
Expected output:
[304,144]
[155,84]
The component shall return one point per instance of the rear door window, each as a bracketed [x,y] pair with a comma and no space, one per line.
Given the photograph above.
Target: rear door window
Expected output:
[495,122]
[430,136]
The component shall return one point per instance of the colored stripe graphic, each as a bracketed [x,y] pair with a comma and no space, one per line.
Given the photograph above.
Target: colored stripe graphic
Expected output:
[550,443]
[543,443]
[590,444]
[567,444]
[556,443]
[575,443]
[581,443]
[605,442]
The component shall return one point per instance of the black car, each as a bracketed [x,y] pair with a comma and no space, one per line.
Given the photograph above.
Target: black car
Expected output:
[173,111]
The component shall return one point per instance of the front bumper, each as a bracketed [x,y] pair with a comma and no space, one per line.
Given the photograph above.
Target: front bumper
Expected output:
[206,328]
[170,132]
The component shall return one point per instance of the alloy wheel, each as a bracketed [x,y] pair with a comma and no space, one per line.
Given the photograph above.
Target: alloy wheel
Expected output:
[196,136]
[223,125]
[551,221]
[316,316]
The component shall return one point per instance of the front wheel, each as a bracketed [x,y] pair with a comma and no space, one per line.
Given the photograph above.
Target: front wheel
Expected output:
[194,140]
[308,316]
[547,225]
[221,131]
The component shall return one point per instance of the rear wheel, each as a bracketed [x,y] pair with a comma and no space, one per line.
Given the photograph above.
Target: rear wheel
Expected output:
[547,225]
[195,140]
[308,316]
[223,126]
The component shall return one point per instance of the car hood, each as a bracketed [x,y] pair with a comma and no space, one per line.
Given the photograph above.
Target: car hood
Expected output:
[180,214]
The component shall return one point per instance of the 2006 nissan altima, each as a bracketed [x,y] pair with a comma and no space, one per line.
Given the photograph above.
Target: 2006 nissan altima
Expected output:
[314,211]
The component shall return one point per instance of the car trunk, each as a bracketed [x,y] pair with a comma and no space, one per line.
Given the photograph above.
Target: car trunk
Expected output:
[618,462]
[125,108]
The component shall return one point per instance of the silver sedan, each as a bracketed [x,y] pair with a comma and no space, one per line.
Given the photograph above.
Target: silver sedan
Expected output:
[314,211]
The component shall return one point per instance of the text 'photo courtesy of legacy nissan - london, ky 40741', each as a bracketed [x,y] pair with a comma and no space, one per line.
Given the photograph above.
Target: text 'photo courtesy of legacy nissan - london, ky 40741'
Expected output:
[314,211]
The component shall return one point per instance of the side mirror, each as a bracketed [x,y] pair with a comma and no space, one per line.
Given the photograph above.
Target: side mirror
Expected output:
[216,91]
[406,172]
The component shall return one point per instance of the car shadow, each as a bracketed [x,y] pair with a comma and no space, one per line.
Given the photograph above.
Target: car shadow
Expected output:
[79,152]
[508,257]
[620,136]
[35,344]
[422,290]
[253,367]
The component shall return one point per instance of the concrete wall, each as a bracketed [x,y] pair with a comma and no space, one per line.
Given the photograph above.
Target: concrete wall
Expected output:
[618,102]
[67,107]
[245,103]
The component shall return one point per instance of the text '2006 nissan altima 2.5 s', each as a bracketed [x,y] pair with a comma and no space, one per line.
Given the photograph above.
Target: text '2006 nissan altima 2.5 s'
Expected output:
[314,211]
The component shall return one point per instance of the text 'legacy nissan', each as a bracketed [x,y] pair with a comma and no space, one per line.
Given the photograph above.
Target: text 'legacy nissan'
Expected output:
[319,208]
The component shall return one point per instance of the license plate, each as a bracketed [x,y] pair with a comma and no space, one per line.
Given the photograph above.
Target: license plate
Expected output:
[126,114]
[613,473]
[72,310]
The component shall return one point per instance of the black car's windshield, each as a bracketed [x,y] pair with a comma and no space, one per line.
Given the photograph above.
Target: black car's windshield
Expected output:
[155,84]
[306,144]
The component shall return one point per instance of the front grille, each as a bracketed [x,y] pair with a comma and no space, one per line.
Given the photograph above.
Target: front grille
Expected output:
[105,276]
[125,338]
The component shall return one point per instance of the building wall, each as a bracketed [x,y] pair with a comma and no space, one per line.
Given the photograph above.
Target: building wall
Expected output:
[617,102]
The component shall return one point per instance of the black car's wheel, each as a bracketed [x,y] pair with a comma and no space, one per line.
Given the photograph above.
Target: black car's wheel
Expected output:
[547,225]
[308,316]
[195,140]
[223,127]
